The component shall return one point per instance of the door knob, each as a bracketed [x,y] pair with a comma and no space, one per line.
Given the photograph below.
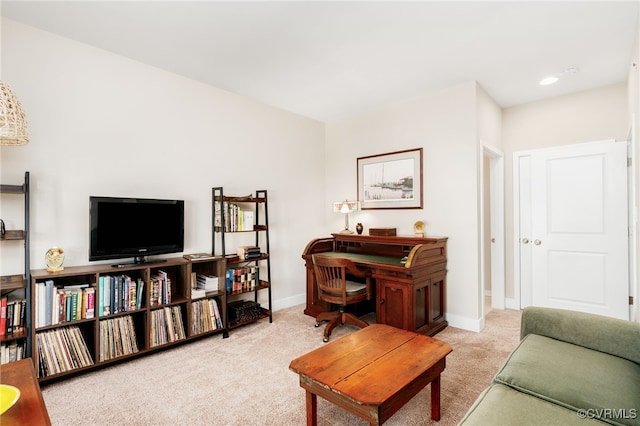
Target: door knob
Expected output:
[525,241]
[537,242]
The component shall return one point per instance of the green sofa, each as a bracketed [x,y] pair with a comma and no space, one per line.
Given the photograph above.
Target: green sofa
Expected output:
[569,368]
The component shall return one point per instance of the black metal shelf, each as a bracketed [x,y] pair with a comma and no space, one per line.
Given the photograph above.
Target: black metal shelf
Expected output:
[257,203]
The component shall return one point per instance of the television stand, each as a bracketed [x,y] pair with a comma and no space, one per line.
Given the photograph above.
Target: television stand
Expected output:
[158,313]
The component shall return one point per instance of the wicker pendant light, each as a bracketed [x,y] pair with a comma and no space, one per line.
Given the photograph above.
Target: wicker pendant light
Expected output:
[13,124]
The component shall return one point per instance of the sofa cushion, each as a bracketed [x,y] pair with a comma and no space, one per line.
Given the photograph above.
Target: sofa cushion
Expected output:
[610,335]
[501,405]
[575,377]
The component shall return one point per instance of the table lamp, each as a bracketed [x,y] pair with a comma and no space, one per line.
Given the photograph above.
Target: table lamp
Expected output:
[346,207]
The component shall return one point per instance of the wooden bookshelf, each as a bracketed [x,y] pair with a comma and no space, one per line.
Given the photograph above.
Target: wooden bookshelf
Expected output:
[148,307]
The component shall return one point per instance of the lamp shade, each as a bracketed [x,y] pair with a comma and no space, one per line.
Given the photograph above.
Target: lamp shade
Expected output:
[346,206]
[13,124]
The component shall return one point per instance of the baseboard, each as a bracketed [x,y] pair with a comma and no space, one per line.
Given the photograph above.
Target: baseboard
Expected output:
[465,323]
[511,303]
[289,302]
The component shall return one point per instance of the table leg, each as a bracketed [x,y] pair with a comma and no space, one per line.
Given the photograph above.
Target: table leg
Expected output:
[435,398]
[312,409]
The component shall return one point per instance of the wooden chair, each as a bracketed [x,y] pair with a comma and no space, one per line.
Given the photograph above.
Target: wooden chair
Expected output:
[334,287]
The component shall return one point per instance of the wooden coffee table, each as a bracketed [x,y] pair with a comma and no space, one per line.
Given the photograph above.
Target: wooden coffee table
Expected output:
[372,372]
[30,408]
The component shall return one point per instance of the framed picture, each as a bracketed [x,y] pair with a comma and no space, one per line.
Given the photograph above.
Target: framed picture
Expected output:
[391,181]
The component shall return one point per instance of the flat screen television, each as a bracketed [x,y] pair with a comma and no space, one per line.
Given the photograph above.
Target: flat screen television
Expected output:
[134,227]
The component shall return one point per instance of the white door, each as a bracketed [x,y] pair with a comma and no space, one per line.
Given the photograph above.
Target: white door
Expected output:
[578,241]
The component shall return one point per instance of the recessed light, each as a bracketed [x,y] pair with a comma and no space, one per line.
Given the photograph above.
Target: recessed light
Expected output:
[547,81]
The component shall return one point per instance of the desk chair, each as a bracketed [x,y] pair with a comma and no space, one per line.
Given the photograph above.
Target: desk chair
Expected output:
[333,285]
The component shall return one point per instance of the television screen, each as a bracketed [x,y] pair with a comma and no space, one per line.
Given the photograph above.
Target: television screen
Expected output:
[134,227]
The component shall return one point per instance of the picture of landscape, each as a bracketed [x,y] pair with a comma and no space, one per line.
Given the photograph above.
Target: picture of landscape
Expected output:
[391,181]
[388,180]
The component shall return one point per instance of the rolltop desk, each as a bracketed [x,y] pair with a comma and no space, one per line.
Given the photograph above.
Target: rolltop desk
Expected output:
[410,275]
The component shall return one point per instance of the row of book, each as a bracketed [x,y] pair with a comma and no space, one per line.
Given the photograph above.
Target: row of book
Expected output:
[249,252]
[13,315]
[207,282]
[205,316]
[235,219]
[55,305]
[60,350]
[119,293]
[117,338]
[243,278]
[160,289]
[243,311]
[166,325]
[12,351]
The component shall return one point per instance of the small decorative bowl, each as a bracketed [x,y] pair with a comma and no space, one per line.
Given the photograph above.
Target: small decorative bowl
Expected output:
[8,397]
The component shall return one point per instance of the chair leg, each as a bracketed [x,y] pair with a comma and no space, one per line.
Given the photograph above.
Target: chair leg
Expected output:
[326,316]
[348,318]
[329,328]
[339,318]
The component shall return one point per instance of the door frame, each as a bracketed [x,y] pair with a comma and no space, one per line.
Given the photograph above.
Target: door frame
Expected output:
[634,239]
[496,208]
[632,220]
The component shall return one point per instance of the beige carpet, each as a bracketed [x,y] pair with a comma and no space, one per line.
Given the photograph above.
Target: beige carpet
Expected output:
[245,379]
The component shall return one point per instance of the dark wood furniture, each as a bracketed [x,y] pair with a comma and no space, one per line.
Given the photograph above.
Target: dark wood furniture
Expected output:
[30,408]
[409,273]
[372,372]
[334,277]
[109,337]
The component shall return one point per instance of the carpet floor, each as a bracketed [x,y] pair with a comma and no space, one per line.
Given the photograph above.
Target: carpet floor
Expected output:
[245,379]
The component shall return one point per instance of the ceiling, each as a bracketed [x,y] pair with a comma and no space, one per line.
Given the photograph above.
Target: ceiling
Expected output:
[328,60]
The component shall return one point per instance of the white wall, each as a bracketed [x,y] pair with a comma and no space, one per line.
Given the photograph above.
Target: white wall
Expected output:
[444,124]
[102,124]
[587,116]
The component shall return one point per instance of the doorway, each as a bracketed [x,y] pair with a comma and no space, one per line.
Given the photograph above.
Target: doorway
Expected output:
[492,285]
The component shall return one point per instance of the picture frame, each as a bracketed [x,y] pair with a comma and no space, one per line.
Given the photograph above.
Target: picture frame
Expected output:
[390,181]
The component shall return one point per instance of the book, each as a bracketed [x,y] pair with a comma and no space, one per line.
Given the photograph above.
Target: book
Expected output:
[216,311]
[200,256]
[91,303]
[3,316]
[106,295]
[139,290]
[100,296]
[75,286]
[9,326]
[207,282]
[248,252]
[247,220]
[48,309]
[40,304]
[56,308]
[198,292]
[23,315]
[115,296]
[74,305]
[229,280]
[68,306]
